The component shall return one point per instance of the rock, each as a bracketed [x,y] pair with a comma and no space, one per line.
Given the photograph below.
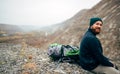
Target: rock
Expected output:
[35,61]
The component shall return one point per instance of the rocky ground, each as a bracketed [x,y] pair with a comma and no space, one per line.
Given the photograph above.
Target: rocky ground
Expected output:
[23,59]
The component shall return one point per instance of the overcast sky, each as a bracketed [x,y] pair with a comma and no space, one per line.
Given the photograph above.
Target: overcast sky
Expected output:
[41,12]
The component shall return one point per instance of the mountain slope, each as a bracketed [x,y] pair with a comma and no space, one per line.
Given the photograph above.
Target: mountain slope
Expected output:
[109,11]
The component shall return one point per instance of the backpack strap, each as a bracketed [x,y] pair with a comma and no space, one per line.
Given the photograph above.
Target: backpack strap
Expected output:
[68,46]
[62,54]
[62,57]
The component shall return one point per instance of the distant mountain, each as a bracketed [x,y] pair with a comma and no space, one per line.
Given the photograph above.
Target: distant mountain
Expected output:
[9,29]
[28,28]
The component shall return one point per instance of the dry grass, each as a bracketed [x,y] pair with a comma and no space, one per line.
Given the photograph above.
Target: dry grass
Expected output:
[29,38]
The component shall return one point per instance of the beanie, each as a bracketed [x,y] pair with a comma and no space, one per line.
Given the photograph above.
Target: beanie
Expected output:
[95,19]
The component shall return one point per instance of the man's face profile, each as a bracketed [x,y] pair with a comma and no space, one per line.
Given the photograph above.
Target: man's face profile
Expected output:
[96,27]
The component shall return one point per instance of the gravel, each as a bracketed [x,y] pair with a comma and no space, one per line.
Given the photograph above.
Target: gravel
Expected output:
[23,59]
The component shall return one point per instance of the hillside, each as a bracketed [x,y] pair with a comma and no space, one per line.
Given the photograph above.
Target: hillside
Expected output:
[27,54]
[72,30]
[109,11]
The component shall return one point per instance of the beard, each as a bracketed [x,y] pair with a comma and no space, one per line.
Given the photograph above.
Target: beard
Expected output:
[96,30]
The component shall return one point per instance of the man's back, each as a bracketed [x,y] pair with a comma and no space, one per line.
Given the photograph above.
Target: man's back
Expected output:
[87,60]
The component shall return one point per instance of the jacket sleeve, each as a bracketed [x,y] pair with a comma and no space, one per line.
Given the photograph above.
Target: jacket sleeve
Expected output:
[96,50]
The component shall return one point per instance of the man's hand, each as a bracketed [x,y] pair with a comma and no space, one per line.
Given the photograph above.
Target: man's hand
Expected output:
[115,66]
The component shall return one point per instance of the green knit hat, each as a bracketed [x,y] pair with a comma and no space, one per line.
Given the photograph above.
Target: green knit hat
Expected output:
[95,19]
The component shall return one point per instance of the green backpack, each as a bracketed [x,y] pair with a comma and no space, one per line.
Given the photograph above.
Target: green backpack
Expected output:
[63,52]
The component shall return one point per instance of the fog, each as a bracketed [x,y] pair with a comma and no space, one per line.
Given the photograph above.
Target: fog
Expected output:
[41,12]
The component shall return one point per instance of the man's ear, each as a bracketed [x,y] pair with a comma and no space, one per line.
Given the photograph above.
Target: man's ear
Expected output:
[91,27]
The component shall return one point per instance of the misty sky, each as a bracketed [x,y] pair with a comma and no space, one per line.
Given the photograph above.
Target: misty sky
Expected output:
[40,12]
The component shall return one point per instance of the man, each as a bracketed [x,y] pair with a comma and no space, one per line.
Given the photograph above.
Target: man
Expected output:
[91,52]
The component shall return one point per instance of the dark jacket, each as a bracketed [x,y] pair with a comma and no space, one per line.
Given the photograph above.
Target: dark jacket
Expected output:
[91,52]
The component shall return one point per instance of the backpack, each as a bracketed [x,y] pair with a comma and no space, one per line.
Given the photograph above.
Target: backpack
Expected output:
[60,52]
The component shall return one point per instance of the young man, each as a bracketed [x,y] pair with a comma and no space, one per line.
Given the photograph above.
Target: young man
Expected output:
[91,52]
